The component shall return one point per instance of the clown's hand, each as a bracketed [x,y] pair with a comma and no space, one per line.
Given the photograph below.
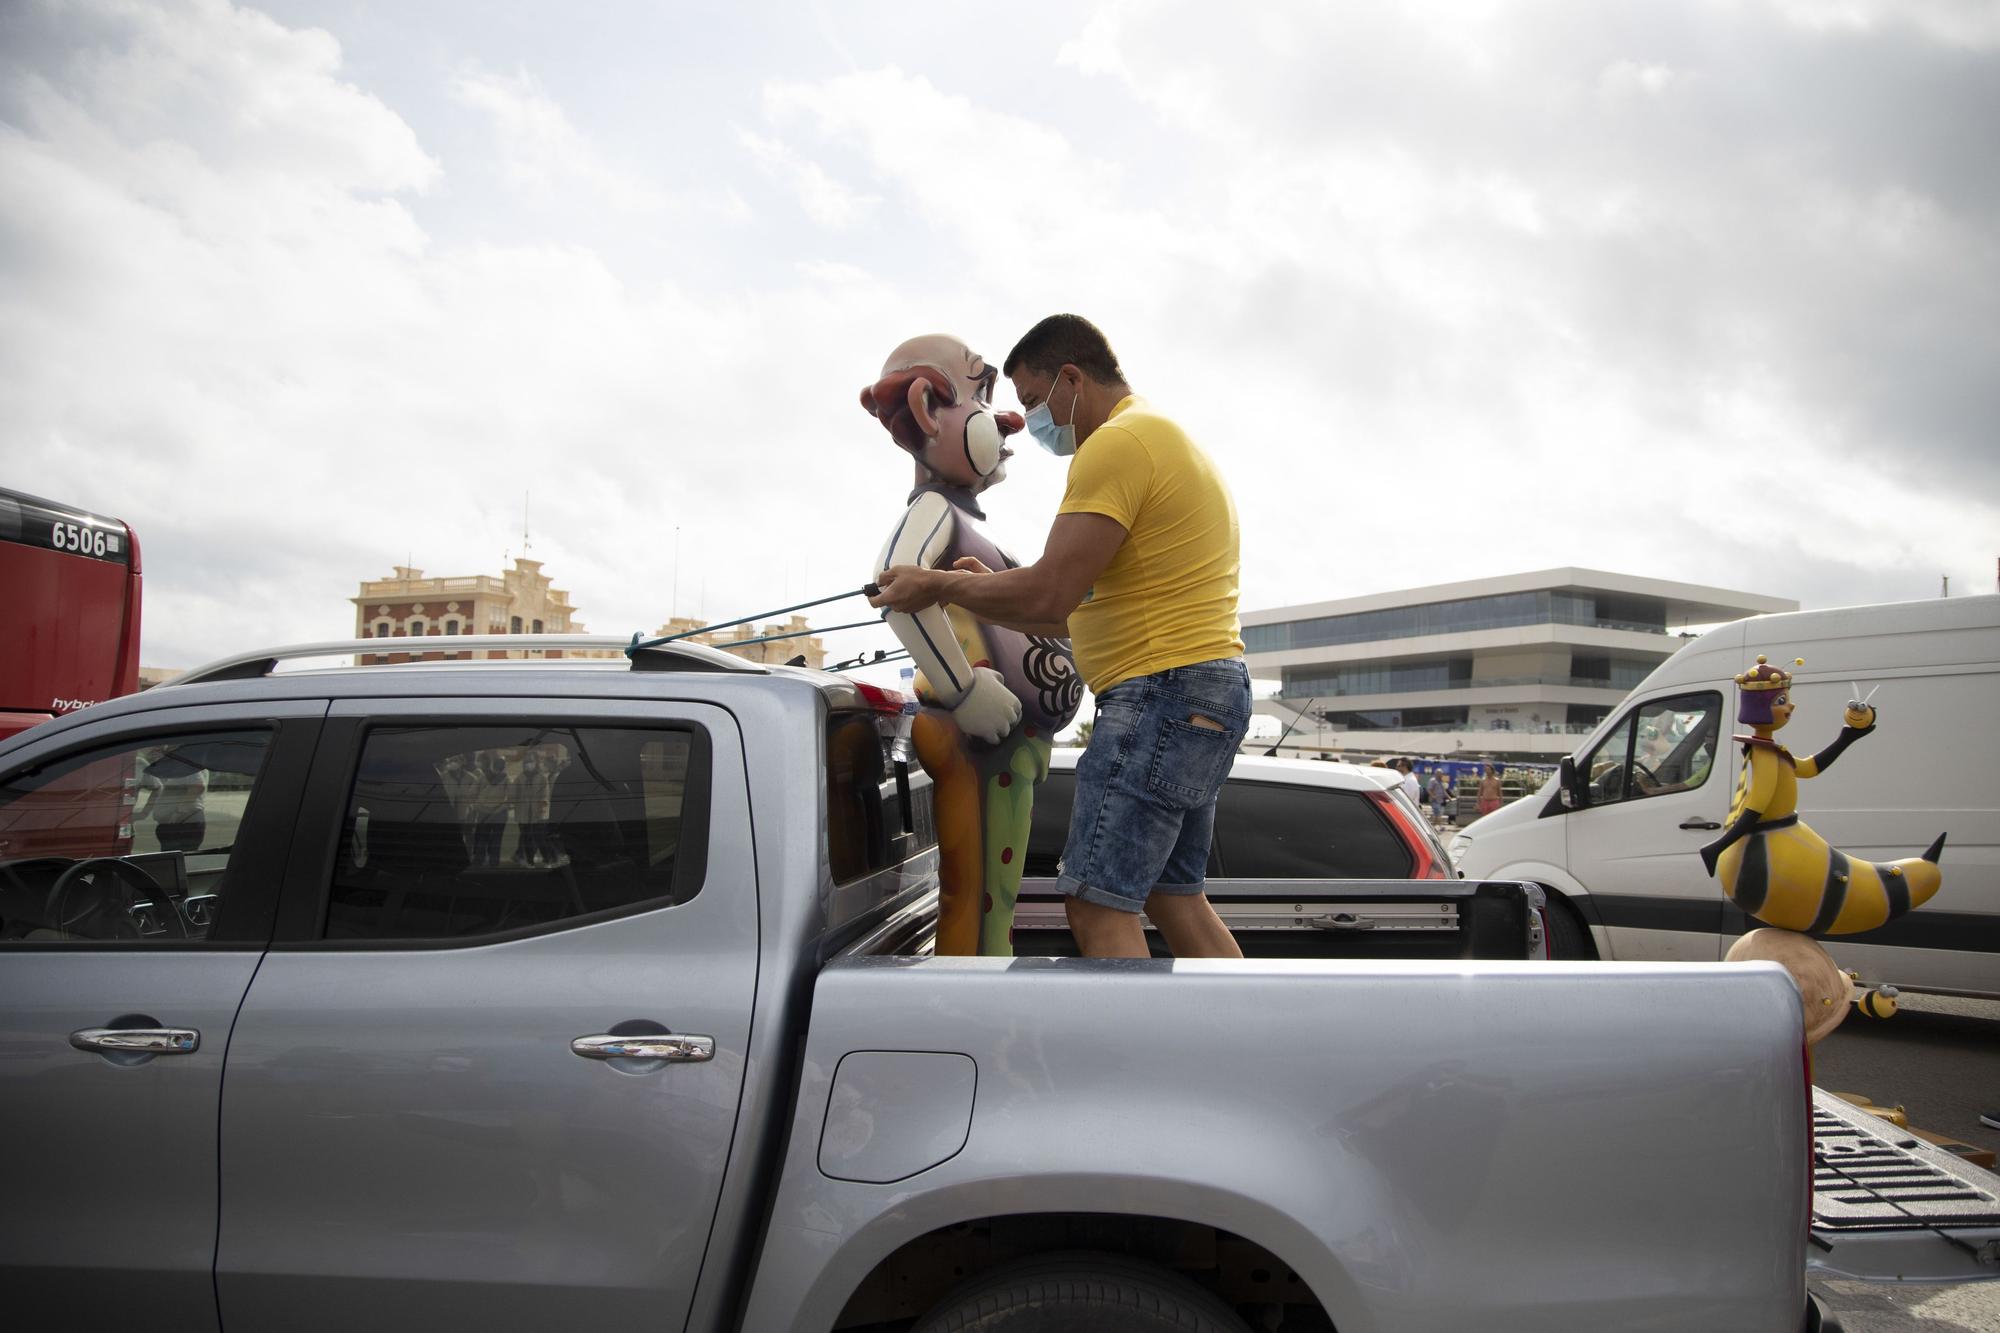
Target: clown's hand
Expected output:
[1739,827]
[989,709]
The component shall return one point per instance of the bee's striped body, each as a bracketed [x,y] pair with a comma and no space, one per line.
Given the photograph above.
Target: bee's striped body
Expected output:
[1786,875]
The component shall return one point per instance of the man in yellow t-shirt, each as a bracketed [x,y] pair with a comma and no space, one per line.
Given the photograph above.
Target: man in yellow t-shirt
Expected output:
[1140,571]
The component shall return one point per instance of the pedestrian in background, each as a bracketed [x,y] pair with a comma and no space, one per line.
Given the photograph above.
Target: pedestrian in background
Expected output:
[1489,790]
[1410,787]
[176,795]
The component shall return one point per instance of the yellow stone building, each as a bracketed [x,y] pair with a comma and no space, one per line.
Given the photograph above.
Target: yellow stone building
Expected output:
[795,644]
[523,600]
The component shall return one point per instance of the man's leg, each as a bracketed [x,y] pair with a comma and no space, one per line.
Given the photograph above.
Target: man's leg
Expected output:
[1115,844]
[1191,927]
[1177,904]
[1106,932]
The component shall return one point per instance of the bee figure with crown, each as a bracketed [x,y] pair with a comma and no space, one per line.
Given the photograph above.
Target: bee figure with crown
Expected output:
[1777,869]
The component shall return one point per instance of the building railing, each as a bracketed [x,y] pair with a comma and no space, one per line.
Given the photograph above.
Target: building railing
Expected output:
[1339,639]
[406,587]
[1312,727]
[1302,693]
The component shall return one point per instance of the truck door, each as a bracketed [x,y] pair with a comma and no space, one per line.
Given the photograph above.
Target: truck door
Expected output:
[1658,787]
[138,882]
[489,1074]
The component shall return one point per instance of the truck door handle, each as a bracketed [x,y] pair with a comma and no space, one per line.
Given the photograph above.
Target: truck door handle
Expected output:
[676,1047]
[137,1041]
[1699,824]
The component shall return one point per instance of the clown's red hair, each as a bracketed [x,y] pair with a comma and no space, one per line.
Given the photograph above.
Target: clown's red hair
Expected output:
[902,401]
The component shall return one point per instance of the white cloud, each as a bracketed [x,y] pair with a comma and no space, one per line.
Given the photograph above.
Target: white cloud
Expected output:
[1968,23]
[541,152]
[1627,78]
[267,366]
[1446,293]
[825,200]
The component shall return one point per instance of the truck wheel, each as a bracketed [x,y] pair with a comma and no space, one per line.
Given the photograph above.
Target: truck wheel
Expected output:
[1079,1293]
[1568,936]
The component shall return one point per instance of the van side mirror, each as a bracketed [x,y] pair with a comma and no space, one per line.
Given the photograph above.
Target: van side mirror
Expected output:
[1569,788]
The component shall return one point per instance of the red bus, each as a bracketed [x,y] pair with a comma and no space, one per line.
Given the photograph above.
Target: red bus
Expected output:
[69,610]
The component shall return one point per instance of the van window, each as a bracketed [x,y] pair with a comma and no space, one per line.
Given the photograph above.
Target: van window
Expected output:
[1662,746]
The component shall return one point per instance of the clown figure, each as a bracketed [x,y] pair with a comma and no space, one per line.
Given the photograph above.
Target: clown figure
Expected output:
[992,697]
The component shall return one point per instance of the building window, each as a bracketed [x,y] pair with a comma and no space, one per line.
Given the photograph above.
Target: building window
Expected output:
[451,627]
[1383,678]
[381,629]
[1500,611]
[516,625]
[416,626]
[538,627]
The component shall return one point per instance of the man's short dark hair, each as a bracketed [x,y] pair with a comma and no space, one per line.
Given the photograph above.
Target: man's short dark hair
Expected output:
[1065,340]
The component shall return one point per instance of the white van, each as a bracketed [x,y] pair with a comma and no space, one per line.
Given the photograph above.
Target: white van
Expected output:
[1615,838]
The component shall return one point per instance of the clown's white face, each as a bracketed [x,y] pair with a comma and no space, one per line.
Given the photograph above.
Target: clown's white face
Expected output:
[965,440]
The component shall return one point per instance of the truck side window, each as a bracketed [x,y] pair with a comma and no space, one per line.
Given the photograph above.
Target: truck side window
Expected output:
[457,831]
[864,817]
[1269,832]
[1662,746]
[130,842]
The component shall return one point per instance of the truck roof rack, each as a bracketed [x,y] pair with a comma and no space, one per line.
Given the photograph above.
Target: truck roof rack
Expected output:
[681,656]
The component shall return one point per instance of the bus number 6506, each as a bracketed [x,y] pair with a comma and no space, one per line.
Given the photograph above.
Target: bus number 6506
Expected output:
[82,540]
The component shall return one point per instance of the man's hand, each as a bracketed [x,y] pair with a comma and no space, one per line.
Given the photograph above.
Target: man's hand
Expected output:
[908,589]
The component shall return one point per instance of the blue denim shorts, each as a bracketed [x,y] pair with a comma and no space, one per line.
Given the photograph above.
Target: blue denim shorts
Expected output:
[1147,782]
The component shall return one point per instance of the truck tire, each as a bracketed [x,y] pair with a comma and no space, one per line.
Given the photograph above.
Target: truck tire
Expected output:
[1568,936]
[1079,1292]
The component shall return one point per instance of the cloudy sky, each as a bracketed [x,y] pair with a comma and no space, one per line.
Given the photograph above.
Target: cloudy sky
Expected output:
[310,288]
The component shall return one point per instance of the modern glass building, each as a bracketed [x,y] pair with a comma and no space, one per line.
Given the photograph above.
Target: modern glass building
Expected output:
[1509,667]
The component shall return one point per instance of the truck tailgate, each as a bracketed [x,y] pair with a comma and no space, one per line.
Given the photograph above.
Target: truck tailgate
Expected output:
[1335,918]
[1888,1206]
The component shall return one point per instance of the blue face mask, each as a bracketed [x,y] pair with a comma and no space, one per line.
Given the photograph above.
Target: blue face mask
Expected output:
[1058,440]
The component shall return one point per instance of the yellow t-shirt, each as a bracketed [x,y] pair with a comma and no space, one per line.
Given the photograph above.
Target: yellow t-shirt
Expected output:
[1168,597]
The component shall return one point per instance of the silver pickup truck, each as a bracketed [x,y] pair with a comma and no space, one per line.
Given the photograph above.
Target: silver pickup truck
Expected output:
[576,995]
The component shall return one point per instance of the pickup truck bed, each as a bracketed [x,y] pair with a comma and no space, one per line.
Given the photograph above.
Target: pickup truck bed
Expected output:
[1333,918]
[1411,1135]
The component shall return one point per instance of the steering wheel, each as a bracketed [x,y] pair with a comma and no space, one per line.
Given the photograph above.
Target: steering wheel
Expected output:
[24,889]
[122,924]
[1651,776]
[15,875]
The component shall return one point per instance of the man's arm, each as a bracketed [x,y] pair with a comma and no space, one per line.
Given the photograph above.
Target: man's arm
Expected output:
[1052,630]
[1036,599]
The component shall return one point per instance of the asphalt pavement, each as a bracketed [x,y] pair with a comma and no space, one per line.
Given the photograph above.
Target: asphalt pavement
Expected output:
[1939,1059]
